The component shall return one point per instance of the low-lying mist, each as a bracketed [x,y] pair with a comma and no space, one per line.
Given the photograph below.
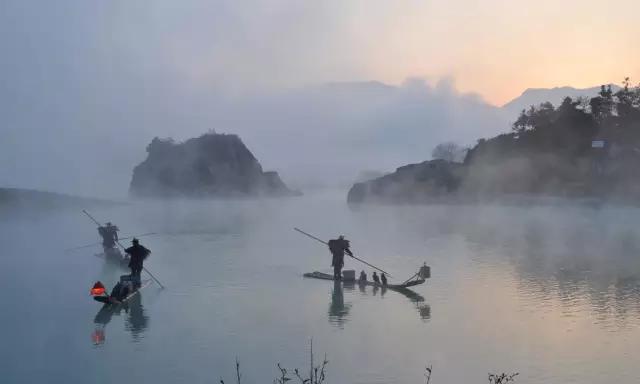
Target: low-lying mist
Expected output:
[86,86]
[320,135]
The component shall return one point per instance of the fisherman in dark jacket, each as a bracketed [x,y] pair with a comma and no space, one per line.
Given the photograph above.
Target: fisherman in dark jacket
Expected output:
[119,292]
[338,247]
[383,277]
[109,234]
[137,254]
[376,279]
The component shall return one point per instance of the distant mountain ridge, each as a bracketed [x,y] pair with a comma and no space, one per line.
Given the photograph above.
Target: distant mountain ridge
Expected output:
[18,200]
[555,95]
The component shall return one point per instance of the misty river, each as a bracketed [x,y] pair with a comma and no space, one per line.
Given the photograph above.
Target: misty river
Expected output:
[551,292]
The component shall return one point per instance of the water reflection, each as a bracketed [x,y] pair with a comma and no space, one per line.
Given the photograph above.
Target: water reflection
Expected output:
[587,268]
[338,310]
[136,323]
[580,258]
[424,310]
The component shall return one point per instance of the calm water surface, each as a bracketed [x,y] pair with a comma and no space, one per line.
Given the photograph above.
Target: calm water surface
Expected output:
[550,292]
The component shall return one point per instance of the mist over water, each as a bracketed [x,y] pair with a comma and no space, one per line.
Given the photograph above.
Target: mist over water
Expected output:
[325,93]
[551,292]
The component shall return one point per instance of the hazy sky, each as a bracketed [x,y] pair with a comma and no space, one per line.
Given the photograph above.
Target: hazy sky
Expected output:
[87,84]
[500,47]
[493,47]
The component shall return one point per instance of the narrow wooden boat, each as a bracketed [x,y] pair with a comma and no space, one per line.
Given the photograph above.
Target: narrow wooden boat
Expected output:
[108,301]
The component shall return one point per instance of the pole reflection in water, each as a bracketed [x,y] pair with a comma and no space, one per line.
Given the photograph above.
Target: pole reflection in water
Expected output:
[423,309]
[136,321]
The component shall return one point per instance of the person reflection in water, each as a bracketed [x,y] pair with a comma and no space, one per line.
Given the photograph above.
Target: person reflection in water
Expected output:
[136,322]
[338,311]
[103,317]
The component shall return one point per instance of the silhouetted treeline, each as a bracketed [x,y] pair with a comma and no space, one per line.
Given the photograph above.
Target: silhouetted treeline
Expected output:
[570,129]
[587,147]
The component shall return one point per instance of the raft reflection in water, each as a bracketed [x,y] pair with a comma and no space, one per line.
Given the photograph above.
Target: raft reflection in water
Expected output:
[339,311]
[136,319]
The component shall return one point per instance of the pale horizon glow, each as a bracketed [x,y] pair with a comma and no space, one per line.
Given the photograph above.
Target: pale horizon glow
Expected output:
[500,48]
[494,48]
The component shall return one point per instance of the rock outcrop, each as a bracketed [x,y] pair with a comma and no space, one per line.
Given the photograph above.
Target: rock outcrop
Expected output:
[210,165]
[414,183]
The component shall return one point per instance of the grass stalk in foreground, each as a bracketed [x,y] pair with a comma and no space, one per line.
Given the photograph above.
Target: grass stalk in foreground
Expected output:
[317,374]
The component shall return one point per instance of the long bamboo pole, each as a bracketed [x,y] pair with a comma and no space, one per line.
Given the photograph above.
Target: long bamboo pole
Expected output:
[122,246]
[98,243]
[324,242]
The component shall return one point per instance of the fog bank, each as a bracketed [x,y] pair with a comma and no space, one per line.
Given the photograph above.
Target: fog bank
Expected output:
[87,85]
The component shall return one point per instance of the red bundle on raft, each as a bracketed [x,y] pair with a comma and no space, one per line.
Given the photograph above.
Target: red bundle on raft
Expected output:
[98,289]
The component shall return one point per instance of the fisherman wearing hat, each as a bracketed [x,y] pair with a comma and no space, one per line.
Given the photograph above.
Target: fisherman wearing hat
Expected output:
[137,254]
[109,234]
[338,247]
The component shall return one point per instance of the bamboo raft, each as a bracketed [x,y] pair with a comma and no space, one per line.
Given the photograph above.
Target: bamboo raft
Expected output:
[395,287]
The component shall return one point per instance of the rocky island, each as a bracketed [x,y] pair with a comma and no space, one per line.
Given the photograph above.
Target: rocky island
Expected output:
[212,165]
[430,180]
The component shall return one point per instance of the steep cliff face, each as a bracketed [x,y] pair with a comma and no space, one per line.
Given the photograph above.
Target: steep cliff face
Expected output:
[210,165]
[412,183]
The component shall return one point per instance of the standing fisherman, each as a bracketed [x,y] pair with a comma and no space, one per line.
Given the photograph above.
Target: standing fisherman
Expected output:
[109,234]
[138,254]
[338,247]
